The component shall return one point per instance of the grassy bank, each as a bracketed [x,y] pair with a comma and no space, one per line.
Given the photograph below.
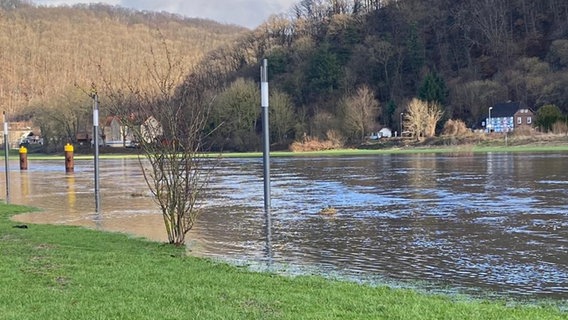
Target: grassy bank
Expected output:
[57,272]
[452,150]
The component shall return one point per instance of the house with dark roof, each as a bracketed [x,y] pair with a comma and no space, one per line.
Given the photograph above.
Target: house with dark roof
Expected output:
[508,116]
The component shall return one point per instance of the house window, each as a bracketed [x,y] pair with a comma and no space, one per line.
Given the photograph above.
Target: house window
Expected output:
[519,120]
[529,120]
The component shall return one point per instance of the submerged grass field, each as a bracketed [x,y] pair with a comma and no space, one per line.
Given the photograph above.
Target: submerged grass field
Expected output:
[59,272]
[452,150]
[537,144]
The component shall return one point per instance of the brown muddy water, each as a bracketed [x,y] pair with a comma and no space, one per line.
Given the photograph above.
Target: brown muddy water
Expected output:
[494,224]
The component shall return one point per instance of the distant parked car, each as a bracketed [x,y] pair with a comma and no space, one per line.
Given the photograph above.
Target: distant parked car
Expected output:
[133,144]
[374,136]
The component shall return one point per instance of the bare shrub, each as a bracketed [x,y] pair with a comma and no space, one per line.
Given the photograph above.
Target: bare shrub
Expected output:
[323,121]
[168,122]
[455,128]
[559,127]
[523,132]
[334,140]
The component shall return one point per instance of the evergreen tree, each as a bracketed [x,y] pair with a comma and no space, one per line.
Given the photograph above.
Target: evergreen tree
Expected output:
[388,113]
[433,89]
[324,71]
[414,52]
[546,116]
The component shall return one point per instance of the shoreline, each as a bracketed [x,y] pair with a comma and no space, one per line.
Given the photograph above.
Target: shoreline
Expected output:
[61,266]
[464,145]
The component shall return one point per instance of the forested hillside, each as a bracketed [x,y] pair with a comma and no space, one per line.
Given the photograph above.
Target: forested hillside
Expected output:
[330,54]
[336,67]
[46,53]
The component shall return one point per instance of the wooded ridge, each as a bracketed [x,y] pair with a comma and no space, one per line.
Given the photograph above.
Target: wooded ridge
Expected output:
[336,67]
[465,55]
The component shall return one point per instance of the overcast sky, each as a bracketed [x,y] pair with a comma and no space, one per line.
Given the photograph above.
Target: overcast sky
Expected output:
[248,13]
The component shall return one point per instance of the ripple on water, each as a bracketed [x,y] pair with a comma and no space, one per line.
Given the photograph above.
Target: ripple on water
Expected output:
[463,224]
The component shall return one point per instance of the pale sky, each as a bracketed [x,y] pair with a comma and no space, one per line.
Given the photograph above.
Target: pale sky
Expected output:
[248,13]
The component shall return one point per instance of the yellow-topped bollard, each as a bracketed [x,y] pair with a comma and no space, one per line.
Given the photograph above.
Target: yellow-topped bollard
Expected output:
[69,165]
[23,158]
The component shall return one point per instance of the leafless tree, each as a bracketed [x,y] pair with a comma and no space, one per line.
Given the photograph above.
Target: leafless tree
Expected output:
[421,118]
[360,112]
[167,121]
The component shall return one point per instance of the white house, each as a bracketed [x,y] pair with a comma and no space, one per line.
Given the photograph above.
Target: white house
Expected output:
[116,134]
[508,116]
[151,129]
[385,133]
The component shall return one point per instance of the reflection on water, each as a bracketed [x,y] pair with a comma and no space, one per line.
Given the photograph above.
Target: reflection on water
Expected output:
[495,222]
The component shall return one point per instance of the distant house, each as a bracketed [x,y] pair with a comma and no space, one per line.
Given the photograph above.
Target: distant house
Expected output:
[523,118]
[83,137]
[383,133]
[151,129]
[23,133]
[508,116]
[115,132]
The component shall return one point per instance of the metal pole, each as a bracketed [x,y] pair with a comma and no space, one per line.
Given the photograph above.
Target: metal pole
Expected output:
[266,155]
[402,113]
[489,121]
[266,131]
[96,142]
[6,155]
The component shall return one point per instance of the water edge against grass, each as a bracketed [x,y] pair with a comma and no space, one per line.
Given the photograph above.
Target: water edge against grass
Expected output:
[491,224]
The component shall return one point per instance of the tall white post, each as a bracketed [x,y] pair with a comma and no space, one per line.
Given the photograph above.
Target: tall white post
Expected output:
[6,157]
[265,129]
[96,155]
[266,156]
[489,124]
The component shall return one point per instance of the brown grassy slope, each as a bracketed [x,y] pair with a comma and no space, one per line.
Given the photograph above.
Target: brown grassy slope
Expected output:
[45,50]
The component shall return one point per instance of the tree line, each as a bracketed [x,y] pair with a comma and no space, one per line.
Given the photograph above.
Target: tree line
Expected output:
[326,56]
[344,67]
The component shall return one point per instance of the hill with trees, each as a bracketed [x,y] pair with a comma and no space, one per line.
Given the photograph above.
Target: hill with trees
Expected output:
[330,59]
[50,55]
[338,69]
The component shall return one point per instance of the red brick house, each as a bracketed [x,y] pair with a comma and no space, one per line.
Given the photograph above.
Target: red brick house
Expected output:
[523,118]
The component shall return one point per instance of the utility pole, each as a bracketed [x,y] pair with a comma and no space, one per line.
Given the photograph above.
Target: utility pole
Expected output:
[400,123]
[265,130]
[6,155]
[96,142]
[266,156]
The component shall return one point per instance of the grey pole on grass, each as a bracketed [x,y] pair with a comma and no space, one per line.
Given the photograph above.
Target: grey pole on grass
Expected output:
[96,142]
[266,155]
[6,155]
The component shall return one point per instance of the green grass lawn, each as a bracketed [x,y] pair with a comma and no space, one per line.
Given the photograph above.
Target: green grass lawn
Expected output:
[59,272]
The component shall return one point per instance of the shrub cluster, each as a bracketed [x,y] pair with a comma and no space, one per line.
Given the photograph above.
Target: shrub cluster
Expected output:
[333,140]
[456,128]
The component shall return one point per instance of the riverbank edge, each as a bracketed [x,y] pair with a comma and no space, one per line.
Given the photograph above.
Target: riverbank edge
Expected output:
[458,150]
[52,271]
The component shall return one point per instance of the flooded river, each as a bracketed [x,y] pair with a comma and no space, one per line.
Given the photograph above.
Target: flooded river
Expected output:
[490,223]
